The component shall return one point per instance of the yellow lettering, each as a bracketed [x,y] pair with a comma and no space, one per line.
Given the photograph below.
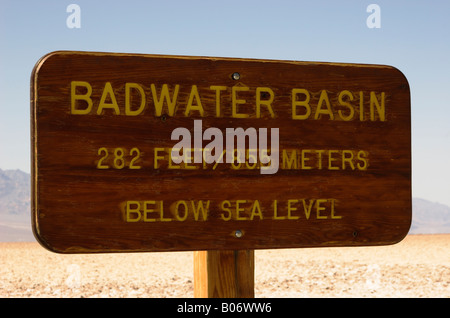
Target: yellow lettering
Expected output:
[319,153]
[239,210]
[333,216]
[200,208]
[198,107]
[361,106]
[108,90]
[177,210]
[187,165]
[362,158]
[290,162]
[218,89]
[346,104]
[275,211]
[235,165]
[319,111]
[226,208]
[128,111]
[164,96]
[133,208]
[156,157]
[347,157]
[330,159]
[304,159]
[235,101]
[265,102]
[307,210]
[303,103]
[170,162]
[148,210]
[256,210]
[379,106]
[74,97]
[290,209]
[251,155]
[320,208]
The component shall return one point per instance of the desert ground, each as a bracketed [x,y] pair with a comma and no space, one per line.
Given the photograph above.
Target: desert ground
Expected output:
[419,266]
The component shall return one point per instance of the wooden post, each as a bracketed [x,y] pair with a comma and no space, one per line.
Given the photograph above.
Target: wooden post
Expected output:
[224,274]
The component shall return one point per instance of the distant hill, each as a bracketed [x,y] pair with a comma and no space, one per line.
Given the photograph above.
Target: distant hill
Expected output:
[15,210]
[14,193]
[429,217]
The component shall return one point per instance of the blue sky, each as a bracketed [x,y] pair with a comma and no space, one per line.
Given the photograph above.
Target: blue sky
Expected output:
[413,37]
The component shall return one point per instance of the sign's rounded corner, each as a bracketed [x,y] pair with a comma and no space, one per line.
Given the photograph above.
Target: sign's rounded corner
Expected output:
[402,235]
[43,59]
[401,75]
[42,241]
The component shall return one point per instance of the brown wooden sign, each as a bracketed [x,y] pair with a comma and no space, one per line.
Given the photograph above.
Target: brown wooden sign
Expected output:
[141,153]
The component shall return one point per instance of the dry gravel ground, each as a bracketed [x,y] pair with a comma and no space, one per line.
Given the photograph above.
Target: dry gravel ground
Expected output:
[419,266]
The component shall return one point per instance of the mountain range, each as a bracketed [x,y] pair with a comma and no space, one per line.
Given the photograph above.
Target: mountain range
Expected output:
[15,208]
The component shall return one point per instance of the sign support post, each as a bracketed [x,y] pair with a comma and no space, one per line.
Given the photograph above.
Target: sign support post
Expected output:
[224,274]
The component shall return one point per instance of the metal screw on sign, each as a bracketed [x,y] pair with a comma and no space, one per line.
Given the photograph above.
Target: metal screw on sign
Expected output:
[236,76]
[238,233]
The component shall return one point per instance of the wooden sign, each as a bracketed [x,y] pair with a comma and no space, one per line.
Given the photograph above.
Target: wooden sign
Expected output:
[169,153]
